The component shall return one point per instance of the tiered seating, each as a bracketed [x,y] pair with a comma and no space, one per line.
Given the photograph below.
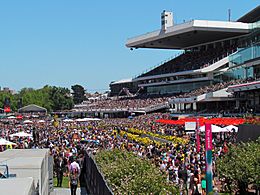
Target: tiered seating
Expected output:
[191,60]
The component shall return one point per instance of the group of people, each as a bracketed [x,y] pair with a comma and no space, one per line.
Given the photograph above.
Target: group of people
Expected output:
[214,87]
[122,103]
[68,142]
[192,60]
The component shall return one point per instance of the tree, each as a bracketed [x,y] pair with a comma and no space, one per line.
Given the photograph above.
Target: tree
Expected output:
[240,167]
[60,98]
[78,94]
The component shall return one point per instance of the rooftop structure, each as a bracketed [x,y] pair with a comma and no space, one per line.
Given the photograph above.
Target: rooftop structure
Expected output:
[25,163]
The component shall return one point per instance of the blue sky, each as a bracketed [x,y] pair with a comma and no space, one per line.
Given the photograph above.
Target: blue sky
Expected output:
[67,42]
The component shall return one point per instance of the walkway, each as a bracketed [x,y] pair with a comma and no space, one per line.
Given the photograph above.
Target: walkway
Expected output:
[66,191]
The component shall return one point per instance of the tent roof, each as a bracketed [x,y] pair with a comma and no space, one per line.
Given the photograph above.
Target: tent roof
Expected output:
[21,186]
[32,108]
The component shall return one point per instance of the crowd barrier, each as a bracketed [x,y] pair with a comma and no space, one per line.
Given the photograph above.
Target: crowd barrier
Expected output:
[95,182]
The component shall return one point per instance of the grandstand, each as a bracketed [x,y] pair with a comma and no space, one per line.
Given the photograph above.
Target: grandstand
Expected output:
[216,55]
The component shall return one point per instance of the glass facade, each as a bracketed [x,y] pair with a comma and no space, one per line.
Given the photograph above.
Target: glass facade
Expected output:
[176,88]
[249,50]
[244,55]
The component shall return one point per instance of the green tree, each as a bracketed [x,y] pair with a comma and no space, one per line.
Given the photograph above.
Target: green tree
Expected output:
[50,97]
[240,167]
[78,94]
[61,99]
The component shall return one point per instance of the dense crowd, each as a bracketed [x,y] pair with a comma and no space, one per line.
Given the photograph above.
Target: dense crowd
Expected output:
[123,103]
[68,142]
[214,87]
[137,103]
[192,60]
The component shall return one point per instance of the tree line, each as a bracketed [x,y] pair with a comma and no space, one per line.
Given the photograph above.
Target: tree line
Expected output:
[50,97]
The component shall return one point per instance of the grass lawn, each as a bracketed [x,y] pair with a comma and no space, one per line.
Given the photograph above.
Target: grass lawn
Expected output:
[65,182]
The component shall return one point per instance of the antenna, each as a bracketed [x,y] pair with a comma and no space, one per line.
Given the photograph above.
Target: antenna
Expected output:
[229,15]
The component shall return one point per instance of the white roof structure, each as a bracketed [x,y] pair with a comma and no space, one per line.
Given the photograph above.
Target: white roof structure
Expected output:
[214,129]
[189,34]
[21,186]
[129,80]
[24,163]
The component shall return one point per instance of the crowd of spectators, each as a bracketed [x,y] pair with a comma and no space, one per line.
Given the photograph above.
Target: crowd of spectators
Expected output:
[183,165]
[123,103]
[192,60]
[214,87]
[137,103]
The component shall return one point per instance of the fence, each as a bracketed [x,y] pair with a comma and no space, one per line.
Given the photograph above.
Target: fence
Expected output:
[95,181]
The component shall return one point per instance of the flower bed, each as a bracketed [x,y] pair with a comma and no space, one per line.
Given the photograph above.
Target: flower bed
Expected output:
[174,139]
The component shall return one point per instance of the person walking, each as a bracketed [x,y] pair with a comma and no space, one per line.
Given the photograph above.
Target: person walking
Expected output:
[74,173]
[60,169]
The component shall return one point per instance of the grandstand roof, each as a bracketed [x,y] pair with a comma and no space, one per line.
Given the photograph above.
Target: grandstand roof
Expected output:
[189,34]
[121,81]
[252,16]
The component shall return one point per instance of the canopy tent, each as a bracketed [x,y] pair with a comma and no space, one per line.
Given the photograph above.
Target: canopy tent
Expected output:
[32,108]
[21,134]
[230,128]
[202,121]
[6,142]
[87,119]
[93,119]
[214,129]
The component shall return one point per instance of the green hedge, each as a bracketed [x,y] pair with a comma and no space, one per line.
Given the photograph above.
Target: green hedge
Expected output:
[127,173]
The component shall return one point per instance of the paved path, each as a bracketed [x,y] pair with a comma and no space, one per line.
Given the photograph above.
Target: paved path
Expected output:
[65,191]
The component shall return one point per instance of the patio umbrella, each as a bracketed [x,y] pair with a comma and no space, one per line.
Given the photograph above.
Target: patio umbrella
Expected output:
[11,117]
[27,122]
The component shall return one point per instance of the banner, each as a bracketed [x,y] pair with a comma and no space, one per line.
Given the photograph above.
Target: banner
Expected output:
[208,140]
[197,136]
[190,126]
[208,136]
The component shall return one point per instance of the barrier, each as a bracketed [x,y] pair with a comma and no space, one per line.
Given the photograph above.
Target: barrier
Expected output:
[95,181]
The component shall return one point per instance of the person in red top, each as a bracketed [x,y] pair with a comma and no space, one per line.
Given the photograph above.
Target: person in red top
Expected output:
[225,148]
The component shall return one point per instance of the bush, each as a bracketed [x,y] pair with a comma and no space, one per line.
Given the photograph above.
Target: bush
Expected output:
[127,173]
[240,167]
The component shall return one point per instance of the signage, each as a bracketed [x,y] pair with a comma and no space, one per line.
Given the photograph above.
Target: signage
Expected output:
[190,126]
